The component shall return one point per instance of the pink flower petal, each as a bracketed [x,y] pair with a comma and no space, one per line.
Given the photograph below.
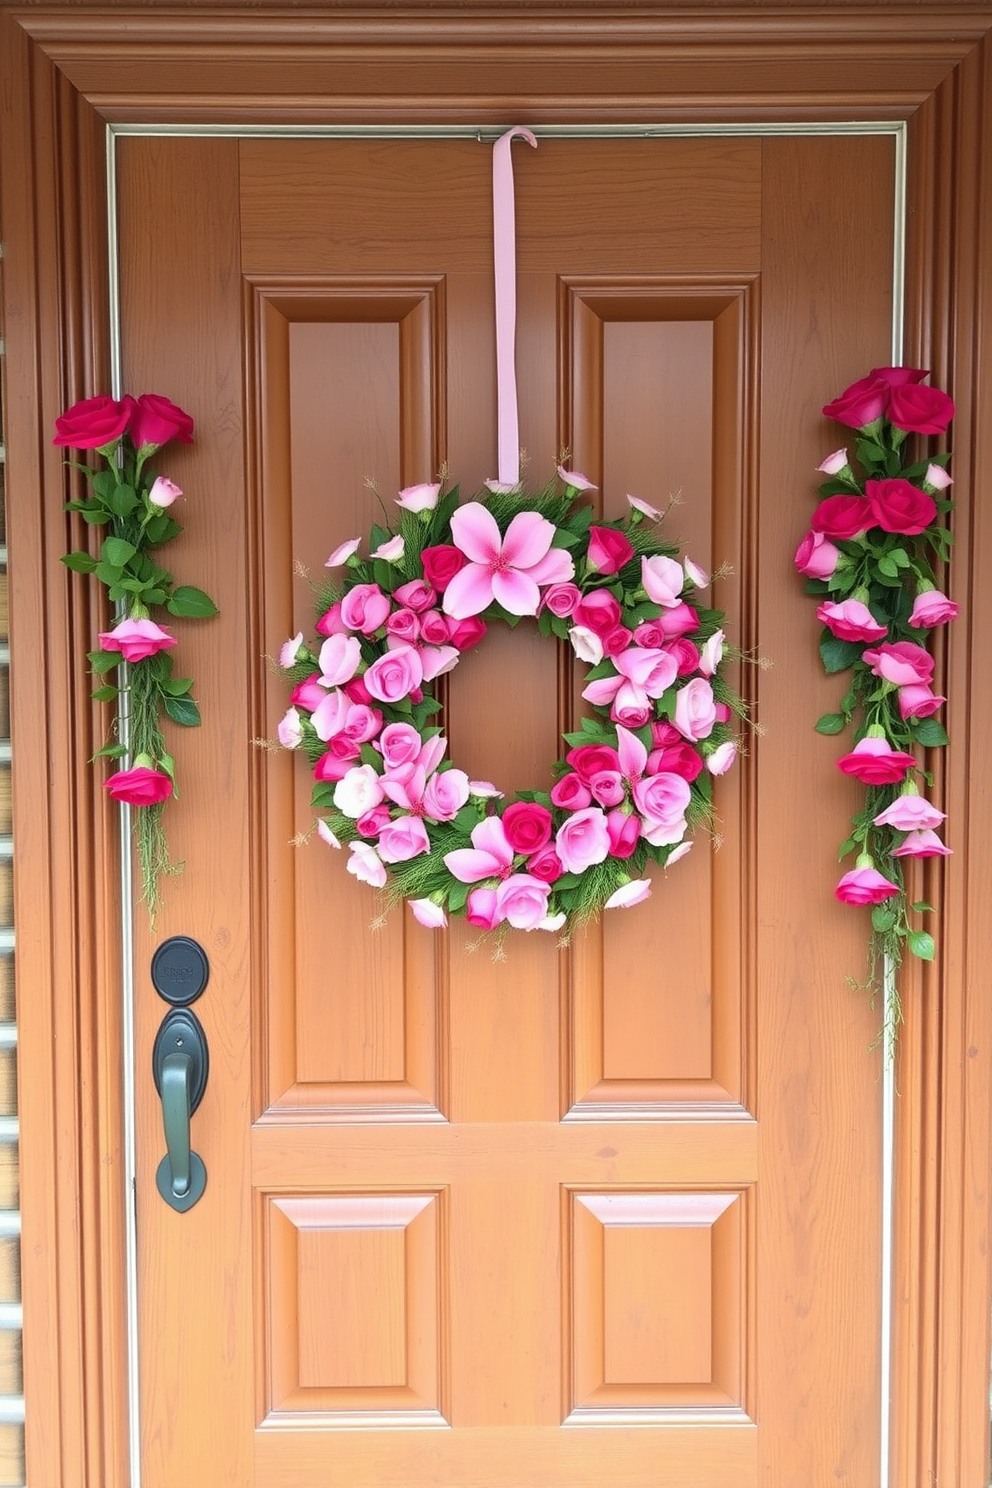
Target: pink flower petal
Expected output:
[576,480]
[633,755]
[474,530]
[469,865]
[556,567]
[527,539]
[513,590]
[629,894]
[438,659]
[469,592]
[427,913]
[343,553]
[602,691]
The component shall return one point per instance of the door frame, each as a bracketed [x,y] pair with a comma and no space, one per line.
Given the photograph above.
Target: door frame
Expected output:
[66,74]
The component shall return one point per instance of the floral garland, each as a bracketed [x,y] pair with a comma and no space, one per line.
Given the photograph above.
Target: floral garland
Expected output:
[134,503]
[637,773]
[869,556]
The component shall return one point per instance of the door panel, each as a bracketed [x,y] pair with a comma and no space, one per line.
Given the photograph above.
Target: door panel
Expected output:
[606,1213]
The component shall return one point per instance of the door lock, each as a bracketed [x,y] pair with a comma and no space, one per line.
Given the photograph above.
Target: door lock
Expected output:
[180,1064]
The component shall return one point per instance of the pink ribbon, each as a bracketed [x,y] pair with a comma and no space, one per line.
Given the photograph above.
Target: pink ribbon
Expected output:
[505,273]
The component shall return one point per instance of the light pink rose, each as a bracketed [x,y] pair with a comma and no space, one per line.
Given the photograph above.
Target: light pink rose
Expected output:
[607,788]
[428,914]
[919,701]
[446,794]
[436,660]
[402,839]
[680,620]
[419,498]
[850,620]
[662,579]
[722,758]
[901,662]
[662,800]
[629,894]
[338,659]
[358,791]
[341,555]
[366,865]
[289,649]
[400,745]
[910,813]
[289,730]
[164,491]
[395,675]
[362,723]
[816,556]
[711,654]
[695,713]
[834,463]
[931,607]
[654,671]
[576,480]
[416,595]
[522,900]
[365,608]
[331,714]
[643,509]
[390,551]
[583,839]
[586,644]
[922,844]
[481,909]
[937,478]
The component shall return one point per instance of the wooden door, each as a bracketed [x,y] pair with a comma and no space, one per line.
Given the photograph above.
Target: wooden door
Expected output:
[606,1215]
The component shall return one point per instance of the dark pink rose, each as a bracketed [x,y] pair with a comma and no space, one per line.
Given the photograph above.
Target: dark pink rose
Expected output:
[919,701]
[561,599]
[464,634]
[650,635]
[343,748]
[920,410]
[843,516]
[607,787]
[897,376]
[624,831]
[675,759]
[94,423]
[139,786]
[816,556]
[441,563]
[598,612]
[545,865]
[873,761]
[864,886]
[617,641]
[308,693]
[930,607]
[416,595]
[357,691]
[404,623]
[155,421]
[663,734]
[571,793]
[588,759]
[330,622]
[434,627]
[371,823]
[850,620]
[722,711]
[481,909]
[331,767]
[686,654]
[898,506]
[901,662]
[681,620]
[527,826]
[861,403]
[609,550]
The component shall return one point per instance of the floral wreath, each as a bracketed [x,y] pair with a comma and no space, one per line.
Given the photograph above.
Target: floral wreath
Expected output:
[871,557]
[637,774]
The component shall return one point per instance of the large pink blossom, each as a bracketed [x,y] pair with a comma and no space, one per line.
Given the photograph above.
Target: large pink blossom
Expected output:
[662,801]
[922,844]
[402,839]
[490,855]
[506,569]
[446,794]
[583,839]
[136,639]
[864,886]
[910,813]
[338,659]
[901,662]
[522,900]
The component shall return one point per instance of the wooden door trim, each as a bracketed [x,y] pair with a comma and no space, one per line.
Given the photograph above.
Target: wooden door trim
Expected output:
[67,72]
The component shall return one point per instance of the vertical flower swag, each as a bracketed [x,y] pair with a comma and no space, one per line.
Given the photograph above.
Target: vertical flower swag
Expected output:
[135,504]
[872,556]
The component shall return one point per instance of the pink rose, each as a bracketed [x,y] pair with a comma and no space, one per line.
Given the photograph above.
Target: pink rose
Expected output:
[631,708]
[366,865]
[624,832]
[607,788]
[901,662]
[662,579]
[362,723]
[428,914]
[358,791]
[922,844]
[598,612]
[896,376]
[331,714]
[338,659]
[650,635]
[371,823]
[446,794]
[395,675]
[937,478]
[330,622]
[864,886]
[416,595]
[617,641]
[441,563]
[164,492]
[861,403]
[571,793]
[686,653]
[434,627]
[527,825]
[156,420]
[850,620]
[545,865]
[843,517]
[816,556]
[561,599]
[899,506]
[695,714]
[365,608]
[141,785]
[481,909]
[919,701]
[400,745]
[722,758]
[920,410]
[343,552]
[463,634]
[136,639]
[419,498]
[873,761]
[522,900]
[609,550]
[403,839]
[95,423]
[680,620]
[330,767]
[834,463]
[662,801]
[588,759]
[405,626]
[930,607]
[910,813]
[357,691]
[675,759]
[663,733]
[583,839]
[722,712]
[289,729]
[342,748]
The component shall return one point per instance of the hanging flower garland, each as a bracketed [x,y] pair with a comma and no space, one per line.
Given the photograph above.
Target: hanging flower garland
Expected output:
[637,774]
[136,505]
[870,558]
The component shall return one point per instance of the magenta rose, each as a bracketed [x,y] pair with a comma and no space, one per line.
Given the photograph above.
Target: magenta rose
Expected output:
[930,607]
[583,840]
[861,403]
[463,634]
[864,886]
[675,759]
[617,641]
[873,761]
[330,622]
[357,691]
[897,376]
[136,639]
[624,832]
[686,655]
[919,701]
[481,910]
[139,786]
[522,900]
[441,563]
[663,733]
[571,793]
[365,608]
[561,599]
[588,759]
[898,506]
[607,788]
[920,410]
[650,635]
[850,620]
[816,556]
[609,550]
[545,865]
[339,746]
[901,662]
[598,612]
[156,420]
[308,693]
[395,675]
[527,826]
[331,767]
[843,517]
[95,423]
[371,823]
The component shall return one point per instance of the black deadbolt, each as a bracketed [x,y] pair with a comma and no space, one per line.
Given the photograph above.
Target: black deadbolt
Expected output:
[180,970]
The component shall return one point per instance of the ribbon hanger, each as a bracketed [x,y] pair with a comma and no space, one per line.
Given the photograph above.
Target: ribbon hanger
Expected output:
[505,277]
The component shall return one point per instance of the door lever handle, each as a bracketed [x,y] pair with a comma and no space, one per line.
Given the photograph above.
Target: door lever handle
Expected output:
[180,1065]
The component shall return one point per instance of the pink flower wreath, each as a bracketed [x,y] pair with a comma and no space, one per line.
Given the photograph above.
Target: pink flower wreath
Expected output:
[637,775]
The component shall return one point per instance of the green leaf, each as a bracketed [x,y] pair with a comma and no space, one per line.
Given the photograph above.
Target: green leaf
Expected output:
[104,694]
[122,501]
[182,710]
[96,518]
[922,907]
[838,655]
[117,552]
[830,723]
[888,567]
[847,847]
[110,751]
[191,602]
[161,529]
[155,596]
[107,573]
[103,661]
[79,562]
[921,944]
[882,918]
[869,453]
[929,733]
[177,686]
[899,557]
[322,795]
